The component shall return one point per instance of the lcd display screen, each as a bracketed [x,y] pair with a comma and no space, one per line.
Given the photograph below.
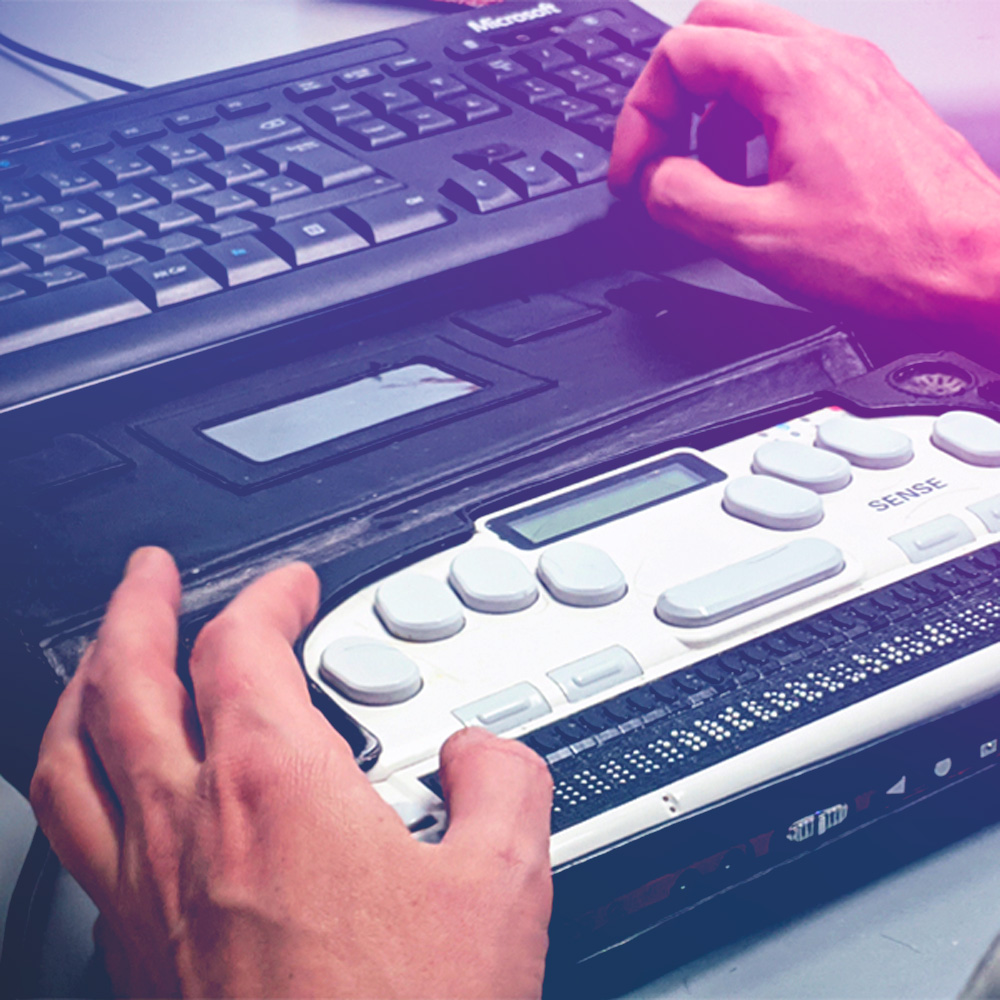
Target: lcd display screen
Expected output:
[326,416]
[597,503]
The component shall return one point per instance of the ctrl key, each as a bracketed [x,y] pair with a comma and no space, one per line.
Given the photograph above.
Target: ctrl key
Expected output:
[167,282]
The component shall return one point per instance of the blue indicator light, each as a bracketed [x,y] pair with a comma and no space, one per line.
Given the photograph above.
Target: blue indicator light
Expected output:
[238,251]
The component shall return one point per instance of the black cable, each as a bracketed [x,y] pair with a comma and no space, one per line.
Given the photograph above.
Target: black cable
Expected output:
[27,917]
[67,67]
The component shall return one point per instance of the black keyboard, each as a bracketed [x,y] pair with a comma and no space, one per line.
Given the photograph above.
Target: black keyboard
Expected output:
[142,228]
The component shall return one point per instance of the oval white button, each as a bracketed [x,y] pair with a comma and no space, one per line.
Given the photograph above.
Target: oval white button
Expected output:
[971,437]
[814,468]
[772,503]
[581,575]
[417,607]
[492,580]
[865,443]
[369,672]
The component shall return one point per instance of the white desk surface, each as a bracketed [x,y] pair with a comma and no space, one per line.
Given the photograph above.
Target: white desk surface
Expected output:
[916,932]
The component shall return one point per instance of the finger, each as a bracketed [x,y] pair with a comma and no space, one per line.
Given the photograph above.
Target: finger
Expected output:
[243,666]
[133,705]
[751,16]
[499,796]
[692,61]
[687,196]
[74,805]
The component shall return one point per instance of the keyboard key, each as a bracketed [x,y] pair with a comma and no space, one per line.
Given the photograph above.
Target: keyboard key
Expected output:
[357,76]
[19,229]
[107,235]
[471,48]
[41,254]
[182,121]
[404,65]
[531,90]
[114,260]
[238,261]
[480,192]
[169,154]
[160,221]
[623,67]
[233,137]
[386,99]
[313,238]
[52,277]
[141,131]
[336,197]
[122,200]
[63,313]
[587,45]
[578,164]
[271,190]
[486,156]
[164,246]
[392,216]
[90,144]
[472,107]
[66,215]
[309,89]
[339,112]
[64,182]
[498,70]
[543,57]
[577,79]
[167,282]
[609,97]
[224,229]
[424,121]
[632,36]
[530,177]
[566,109]
[436,86]
[179,184]
[240,107]
[16,196]
[374,134]
[313,162]
[230,171]
[119,166]
[219,204]
[9,292]
[598,128]
[9,264]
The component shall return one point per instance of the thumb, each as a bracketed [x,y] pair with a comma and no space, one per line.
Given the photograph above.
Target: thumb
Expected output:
[499,796]
[686,195]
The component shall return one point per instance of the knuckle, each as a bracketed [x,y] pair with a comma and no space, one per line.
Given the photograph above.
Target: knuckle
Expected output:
[217,636]
[44,787]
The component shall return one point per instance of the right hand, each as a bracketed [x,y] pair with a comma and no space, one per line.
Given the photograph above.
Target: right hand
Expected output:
[872,202]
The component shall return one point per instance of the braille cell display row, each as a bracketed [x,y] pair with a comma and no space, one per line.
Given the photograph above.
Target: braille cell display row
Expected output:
[642,740]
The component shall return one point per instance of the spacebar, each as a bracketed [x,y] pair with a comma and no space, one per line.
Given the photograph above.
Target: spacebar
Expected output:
[29,322]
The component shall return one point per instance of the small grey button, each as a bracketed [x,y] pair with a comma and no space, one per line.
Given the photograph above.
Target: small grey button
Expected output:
[417,607]
[596,672]
[972,437]
[504,710]
[581,575]
[814,468]
[414,816]
[865,443]
[933,538]
[988,511]
[369,672]
[492,580]
[772,503]
[750,583]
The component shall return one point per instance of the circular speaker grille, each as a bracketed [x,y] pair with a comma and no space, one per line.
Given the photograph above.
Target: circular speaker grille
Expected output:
[935,379]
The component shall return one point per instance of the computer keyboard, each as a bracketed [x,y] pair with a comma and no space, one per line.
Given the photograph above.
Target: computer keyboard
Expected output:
[150,226]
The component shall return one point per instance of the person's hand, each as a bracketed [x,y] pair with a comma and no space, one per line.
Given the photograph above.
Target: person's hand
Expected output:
[234,848]
[872,202]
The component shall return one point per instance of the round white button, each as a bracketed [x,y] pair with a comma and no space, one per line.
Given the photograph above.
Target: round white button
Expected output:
[865,443]
[972,437]
[369,672]
[492,580]
[581,575]
[772,503]
[417,607]
[813,468]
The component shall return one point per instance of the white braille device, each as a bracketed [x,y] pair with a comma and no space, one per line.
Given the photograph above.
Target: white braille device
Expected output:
[612,584]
